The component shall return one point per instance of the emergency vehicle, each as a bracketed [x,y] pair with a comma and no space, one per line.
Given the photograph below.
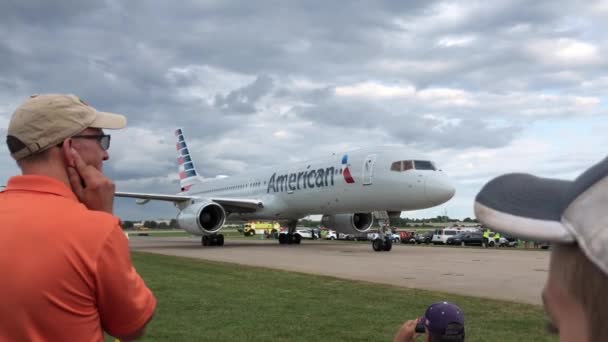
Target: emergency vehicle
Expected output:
[265,228]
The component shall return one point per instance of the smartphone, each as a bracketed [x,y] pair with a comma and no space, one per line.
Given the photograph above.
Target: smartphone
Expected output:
[420,329]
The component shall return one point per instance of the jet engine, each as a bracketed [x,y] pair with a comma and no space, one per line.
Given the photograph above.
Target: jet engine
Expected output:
[202,218]
[348,223]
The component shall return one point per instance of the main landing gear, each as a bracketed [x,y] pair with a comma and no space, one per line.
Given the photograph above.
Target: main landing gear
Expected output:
[291,238]
[213,240]
[380,244]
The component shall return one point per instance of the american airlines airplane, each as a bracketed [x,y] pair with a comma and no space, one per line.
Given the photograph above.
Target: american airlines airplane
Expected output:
[346,188]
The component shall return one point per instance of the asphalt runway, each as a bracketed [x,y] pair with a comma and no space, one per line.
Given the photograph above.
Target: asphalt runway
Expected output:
[513,275]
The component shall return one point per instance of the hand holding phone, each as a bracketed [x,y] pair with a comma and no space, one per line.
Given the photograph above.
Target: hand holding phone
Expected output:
[92,188]
[420,328]
[408,331]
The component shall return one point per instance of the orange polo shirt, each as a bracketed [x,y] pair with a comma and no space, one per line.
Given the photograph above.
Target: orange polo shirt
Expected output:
[66,271]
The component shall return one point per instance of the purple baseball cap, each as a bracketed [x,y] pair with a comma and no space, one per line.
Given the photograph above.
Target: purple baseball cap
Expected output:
[444,319]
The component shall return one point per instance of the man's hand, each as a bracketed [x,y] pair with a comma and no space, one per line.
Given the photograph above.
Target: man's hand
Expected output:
[91,187]
[407,332]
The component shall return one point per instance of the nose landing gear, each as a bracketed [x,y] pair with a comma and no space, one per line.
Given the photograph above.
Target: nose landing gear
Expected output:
[382,242]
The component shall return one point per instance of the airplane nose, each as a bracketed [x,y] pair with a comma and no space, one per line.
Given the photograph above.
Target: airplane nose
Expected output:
[439,190]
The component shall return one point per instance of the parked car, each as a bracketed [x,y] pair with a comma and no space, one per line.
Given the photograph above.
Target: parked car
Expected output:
[304,233]
[466,239]
[426,237]
[396,238]
[333,235]
[359,236]
[507,241]
[441,235]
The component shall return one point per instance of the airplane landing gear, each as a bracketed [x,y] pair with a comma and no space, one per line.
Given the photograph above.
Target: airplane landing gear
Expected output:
[213,240]
[289,239]
[382,242]
[380,245]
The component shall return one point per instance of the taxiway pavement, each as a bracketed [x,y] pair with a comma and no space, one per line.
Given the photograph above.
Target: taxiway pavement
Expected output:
[513,275]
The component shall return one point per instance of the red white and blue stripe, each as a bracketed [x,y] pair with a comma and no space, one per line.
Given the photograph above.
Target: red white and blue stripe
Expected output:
[184,161]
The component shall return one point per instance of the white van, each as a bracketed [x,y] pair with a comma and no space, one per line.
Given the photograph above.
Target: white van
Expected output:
[440,236]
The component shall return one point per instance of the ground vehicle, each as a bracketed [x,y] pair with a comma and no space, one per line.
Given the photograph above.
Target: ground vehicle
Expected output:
[507,241]
[407,236]
[391,236]
[440,236]
[301,232]
[305,233]
[466,239]
[396,238]
[267,228]
[426,237]
[333,235]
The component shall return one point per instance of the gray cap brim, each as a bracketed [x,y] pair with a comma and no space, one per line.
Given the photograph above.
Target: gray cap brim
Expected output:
[526,207]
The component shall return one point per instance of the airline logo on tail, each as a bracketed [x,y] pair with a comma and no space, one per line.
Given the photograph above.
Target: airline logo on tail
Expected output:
[187,171]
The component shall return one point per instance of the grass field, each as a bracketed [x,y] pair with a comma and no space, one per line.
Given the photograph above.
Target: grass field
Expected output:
[211,301]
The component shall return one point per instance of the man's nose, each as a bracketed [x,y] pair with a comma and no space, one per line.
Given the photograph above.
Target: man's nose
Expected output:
[106,156]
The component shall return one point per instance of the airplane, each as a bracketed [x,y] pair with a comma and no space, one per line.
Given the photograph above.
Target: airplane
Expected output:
[348,189]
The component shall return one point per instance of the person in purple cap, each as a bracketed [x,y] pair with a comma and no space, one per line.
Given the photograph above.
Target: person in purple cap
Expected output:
[442,322]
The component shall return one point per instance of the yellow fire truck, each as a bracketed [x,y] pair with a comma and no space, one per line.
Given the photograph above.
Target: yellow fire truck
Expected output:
[266,228]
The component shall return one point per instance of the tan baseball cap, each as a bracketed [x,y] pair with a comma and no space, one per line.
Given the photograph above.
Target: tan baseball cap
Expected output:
[43,121]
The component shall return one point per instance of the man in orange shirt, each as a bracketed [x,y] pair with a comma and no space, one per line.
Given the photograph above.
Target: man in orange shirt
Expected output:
[66,269]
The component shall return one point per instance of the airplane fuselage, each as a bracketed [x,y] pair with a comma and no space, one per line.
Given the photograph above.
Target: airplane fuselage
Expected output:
[359,181]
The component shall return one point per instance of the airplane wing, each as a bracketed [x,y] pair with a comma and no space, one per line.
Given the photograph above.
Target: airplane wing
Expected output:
[233,205]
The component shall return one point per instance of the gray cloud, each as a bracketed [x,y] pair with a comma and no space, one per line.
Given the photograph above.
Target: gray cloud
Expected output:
[250,81]
[243,100]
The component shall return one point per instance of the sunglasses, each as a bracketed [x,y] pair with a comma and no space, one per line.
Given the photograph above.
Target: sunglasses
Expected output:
[103,139]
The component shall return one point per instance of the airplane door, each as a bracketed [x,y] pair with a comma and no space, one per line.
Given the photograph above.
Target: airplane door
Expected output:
[368,169]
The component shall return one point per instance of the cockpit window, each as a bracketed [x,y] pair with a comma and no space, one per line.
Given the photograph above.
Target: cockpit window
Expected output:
[402,165]
[407,165]
[424,165]
[396,166]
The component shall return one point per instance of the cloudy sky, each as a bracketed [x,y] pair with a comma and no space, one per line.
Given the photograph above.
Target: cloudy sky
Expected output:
[481,87]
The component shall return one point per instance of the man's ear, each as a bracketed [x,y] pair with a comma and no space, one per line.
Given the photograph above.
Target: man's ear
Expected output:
[67,153]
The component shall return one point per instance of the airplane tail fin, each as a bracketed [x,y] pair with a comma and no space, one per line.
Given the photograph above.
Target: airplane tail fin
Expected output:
[188,175]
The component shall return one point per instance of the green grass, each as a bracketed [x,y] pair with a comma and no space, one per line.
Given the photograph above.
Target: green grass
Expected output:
[212,301]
